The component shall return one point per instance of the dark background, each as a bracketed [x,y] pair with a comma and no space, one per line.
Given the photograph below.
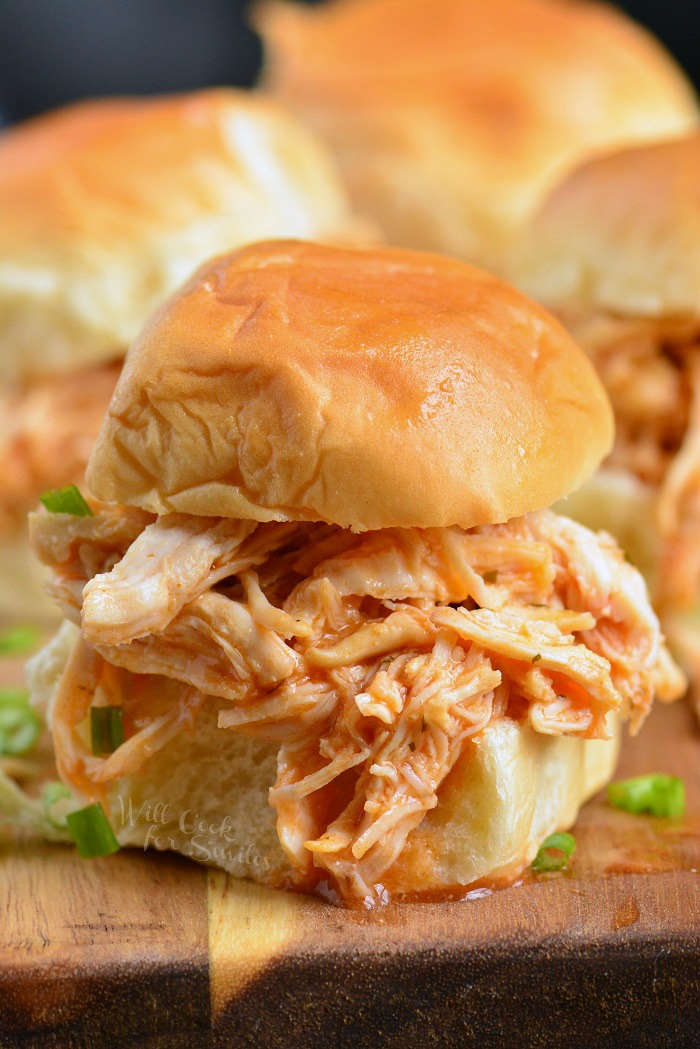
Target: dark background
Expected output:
[52,51]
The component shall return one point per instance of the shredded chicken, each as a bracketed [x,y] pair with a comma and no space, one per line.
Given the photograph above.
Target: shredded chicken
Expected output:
[47,430]
[651,370]
[372,659]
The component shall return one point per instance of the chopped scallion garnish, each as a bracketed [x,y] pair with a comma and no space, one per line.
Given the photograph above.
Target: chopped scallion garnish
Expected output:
[18,640]
[555,852]
[13,697]
[66,500]
[106,729]
[19,724]
[91,832]
[655,794]
[52,793]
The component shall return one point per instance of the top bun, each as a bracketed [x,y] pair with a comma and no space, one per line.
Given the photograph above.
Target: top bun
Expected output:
[452,118]
[367,388]
[107,206]
[621,234]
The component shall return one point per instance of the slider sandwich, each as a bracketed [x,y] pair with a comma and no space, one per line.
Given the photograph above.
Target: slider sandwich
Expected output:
[105,208]
[615,252]
[451,119]
[320,617]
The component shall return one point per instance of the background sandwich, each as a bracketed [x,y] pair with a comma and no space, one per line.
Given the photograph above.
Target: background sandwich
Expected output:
[615,251]
[452,118]
[105,207]
[322,616]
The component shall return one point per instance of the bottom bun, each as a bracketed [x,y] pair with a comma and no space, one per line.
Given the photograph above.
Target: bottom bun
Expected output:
[507,794]
[206,795]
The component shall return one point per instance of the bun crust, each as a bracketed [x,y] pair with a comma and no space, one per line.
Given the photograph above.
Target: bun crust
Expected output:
[107,206]
[452,118]
[367,388]
[621,233]
[210,791]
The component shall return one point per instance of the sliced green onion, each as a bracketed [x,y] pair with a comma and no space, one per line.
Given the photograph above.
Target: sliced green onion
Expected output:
[106,729]
[19,724]
[14,697]
[656,794]
[91,832]
[18,640]
[555,852]
[491,576]
[52,793]
[66,500]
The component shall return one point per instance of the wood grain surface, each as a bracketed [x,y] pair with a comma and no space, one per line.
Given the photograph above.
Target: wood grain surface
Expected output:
[150,950]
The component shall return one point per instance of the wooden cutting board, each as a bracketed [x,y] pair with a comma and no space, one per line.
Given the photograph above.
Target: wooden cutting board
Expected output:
[153,951]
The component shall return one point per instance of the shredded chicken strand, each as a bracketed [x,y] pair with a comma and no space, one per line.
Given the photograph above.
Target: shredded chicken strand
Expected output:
[214,645]
[447,695]
[651,369]
[371,659]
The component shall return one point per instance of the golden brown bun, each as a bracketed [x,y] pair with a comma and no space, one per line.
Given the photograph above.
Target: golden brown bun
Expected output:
[107,206]
[452,118]
[367,388]
[205,795]
[621,233]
